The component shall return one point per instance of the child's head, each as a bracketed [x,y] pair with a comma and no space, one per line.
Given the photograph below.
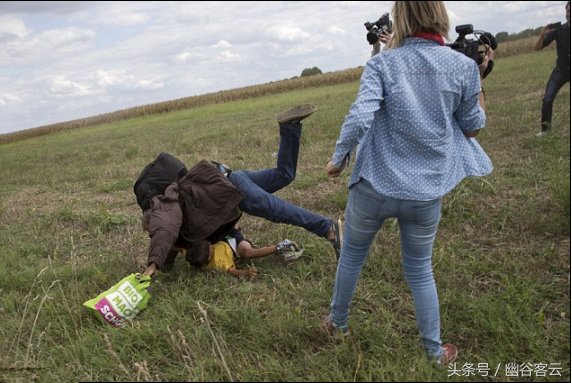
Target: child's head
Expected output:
[198,253]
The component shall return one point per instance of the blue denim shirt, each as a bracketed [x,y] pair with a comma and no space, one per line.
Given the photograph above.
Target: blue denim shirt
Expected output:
[408,119]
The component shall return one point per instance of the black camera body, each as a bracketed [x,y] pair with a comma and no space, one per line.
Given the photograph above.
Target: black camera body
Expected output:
[384,24]
[474,48]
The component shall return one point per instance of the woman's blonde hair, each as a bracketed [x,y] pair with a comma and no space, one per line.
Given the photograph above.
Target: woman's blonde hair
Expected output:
[411,17]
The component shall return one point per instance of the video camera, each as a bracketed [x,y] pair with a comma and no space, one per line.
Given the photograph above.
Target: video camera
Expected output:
[474,48]
[384,24]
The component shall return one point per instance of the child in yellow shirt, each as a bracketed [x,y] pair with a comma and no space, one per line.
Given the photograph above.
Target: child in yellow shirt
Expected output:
[224,254]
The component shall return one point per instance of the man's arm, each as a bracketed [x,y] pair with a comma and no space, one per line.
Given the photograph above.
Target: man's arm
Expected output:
[164,225]
[540,42]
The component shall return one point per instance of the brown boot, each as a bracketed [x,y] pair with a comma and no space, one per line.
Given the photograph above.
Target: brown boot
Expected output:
[296,113]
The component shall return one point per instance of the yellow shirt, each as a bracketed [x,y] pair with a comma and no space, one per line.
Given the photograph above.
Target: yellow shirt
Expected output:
[223,257]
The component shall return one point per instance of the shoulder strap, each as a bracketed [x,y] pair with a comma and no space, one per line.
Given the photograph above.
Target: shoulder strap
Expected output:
[232,243]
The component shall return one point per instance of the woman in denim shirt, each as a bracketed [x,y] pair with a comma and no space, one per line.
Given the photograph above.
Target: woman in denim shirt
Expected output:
[418,109]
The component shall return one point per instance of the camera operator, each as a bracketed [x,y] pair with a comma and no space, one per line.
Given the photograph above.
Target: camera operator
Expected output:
[417,109]
[561,72]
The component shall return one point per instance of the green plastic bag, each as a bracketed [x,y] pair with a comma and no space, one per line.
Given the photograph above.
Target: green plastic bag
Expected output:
[122,302]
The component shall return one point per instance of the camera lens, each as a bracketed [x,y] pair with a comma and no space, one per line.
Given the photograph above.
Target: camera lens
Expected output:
[373,36]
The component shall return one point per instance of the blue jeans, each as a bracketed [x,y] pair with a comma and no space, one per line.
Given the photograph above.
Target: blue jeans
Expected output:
[556,81]
[259,185]
[366,211]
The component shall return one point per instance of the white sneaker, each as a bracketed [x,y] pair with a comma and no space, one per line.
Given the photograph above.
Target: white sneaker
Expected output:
[286,245]
[292,255]
[542,133]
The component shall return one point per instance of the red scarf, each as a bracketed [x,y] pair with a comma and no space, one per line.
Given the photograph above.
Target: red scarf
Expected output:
[430,36]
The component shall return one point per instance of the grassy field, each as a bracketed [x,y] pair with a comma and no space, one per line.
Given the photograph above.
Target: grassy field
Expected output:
[69,229]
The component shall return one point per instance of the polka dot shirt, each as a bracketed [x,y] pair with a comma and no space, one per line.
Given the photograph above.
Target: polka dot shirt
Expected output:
[408,119]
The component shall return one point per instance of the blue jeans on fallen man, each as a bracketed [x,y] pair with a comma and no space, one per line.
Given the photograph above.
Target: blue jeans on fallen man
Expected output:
[258,186]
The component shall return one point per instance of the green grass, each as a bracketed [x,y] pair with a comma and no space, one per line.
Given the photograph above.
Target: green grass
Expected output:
[69,229]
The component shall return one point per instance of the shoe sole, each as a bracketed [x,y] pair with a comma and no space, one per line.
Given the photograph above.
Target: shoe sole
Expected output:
[338,237]
[292,255]
[297,113]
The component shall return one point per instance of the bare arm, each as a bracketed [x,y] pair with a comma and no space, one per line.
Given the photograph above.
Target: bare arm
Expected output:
[246,251]
[375,48]
[540,42]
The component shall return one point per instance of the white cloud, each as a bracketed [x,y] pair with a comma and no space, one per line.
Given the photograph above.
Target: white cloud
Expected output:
[336,30]
[7,99]
[184,56]
[222,44]
[12,28]
[106,78]
[146,84]
[228,56]
[124,79]
[288,33]
[123,19]
[48,44]
[63,87]
[58,38]
[115,13]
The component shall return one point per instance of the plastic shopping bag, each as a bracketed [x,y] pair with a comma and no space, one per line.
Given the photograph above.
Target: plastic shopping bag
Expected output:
[122,302]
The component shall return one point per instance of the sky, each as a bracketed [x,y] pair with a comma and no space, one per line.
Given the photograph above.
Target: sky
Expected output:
[64,60]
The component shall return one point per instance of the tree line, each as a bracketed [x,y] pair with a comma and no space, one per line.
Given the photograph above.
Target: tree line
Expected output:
[505,36]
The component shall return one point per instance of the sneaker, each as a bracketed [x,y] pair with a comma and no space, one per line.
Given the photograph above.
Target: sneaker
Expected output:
[286,245]
[448,355]
[337,228]
[222,168]
[296,114]
[333,330]
[544,128]
[292,255]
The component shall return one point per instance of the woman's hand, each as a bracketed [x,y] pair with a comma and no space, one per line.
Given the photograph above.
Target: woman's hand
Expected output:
[332,170]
